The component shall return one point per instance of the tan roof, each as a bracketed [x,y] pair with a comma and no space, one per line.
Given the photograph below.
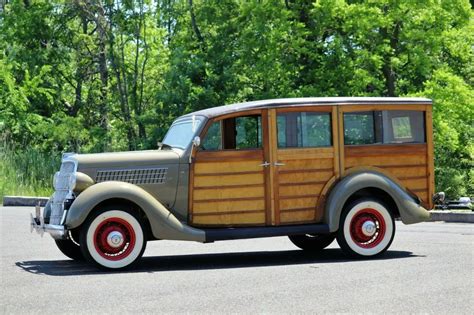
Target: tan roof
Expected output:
[312,101]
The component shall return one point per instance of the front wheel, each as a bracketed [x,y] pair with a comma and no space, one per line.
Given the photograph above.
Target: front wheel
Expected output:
[366,228]
[113,239]
[70,249]
[312,242]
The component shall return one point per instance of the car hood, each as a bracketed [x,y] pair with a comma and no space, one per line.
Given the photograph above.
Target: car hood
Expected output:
[122,160]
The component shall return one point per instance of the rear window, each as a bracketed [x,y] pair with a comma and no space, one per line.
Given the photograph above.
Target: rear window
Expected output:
[384,127]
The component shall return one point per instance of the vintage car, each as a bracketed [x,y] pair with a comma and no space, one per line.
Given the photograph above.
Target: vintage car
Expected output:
[312,169]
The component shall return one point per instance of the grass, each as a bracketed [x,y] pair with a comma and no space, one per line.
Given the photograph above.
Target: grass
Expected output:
[27,171]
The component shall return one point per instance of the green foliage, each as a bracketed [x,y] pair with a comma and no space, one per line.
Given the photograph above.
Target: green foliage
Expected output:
[97,75]
[27,171]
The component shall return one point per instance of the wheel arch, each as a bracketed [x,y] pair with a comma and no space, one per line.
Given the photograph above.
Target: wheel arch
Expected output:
[163,224]
[122,204]
[373,184]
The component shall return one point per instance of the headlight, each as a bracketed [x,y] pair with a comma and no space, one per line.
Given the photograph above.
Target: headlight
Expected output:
[64,181]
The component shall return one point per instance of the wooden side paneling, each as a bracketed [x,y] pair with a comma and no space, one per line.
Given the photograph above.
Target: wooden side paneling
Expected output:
[407,163]
[226,205]
[227,167]
[305,177]
[300,190]
[228,180]
[297,217]
[407,172]
[304,163]
[257,218]
[306,153]
[430,156]
[228,192]
[299,203]
[386,161]
[300,181]
[274,176]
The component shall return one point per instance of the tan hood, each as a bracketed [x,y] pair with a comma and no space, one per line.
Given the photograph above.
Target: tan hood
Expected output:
[86,162]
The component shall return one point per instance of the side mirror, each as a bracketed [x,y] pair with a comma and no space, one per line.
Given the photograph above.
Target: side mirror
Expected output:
[196,143]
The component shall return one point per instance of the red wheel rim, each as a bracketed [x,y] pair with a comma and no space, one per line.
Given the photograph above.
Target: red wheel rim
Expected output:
[370,216]
[113,226]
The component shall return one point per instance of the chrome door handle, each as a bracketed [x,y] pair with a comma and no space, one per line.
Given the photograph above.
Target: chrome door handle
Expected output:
[279,164]
[265,164]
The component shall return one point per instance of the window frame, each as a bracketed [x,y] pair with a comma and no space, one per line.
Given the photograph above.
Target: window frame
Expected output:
[323,109]
[380,109]
[220,119]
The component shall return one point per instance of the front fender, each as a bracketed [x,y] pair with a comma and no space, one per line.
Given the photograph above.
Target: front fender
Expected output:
[410,211]
[164,224]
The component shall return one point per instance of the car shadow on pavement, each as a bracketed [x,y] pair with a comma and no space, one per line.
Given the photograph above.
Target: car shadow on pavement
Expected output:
[205,262]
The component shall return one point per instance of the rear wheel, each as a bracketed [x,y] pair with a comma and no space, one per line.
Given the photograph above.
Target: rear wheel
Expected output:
[113,239]
[366,228]
[312,242]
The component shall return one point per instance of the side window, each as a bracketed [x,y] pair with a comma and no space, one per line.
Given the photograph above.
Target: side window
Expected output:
[384,127]
[403,126]
[237,133]
[359,128]
[248,132]
[213,138]
[304,129]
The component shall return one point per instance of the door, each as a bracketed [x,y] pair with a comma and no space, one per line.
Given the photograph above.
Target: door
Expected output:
[303,161]
[228,176]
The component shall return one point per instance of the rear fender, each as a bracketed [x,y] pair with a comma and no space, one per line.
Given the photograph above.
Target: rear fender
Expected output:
[410,211]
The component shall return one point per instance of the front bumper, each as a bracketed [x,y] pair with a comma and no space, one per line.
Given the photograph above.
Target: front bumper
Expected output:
[37,224]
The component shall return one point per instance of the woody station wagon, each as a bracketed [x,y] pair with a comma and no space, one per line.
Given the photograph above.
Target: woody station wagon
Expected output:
[312,169]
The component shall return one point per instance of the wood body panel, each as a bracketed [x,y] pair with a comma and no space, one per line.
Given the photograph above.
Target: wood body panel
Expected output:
[407,163]
[252,218]
[295,217]
[301,180]
[231,192]
[278,186]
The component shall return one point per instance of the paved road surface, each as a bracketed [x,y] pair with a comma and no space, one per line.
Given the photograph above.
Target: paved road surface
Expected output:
[429,269]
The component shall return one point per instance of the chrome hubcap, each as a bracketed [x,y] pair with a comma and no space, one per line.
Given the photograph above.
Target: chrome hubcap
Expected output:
[115,239]
[368,228]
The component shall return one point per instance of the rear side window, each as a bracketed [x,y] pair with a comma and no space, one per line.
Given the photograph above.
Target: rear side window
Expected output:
[304,129]
[359,128]
[384,127]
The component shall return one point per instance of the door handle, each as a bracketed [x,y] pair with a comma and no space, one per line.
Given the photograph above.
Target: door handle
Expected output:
[265,164]
[279,164]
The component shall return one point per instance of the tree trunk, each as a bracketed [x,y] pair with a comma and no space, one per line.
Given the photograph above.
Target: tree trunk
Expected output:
[389,73]
[194,23]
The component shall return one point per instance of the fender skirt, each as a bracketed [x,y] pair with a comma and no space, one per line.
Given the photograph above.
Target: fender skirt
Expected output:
[164,224]
[410,211]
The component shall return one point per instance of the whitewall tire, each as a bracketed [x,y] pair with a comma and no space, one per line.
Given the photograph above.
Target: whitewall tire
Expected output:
[366,228]
[113,239]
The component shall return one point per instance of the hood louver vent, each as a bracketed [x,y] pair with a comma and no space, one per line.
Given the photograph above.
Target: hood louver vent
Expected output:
[134,176]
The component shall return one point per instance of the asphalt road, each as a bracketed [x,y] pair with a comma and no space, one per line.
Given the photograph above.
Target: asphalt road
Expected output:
[428,269]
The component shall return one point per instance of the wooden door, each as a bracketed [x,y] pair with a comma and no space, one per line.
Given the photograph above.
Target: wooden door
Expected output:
[228,174]
[303,160]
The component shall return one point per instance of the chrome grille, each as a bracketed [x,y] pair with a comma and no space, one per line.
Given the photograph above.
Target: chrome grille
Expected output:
[62,189]
[134,176]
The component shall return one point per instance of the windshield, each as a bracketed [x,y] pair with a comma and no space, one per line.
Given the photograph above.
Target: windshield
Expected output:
[181,133]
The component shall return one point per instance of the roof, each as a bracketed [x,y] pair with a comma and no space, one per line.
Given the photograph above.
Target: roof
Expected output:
[305,101]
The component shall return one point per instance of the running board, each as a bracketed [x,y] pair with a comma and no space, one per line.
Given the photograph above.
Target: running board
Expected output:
[220,234]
